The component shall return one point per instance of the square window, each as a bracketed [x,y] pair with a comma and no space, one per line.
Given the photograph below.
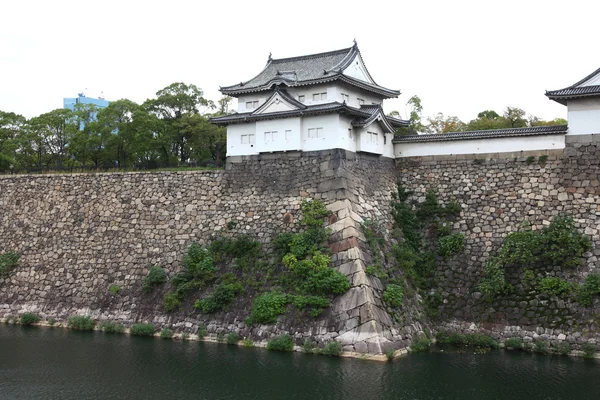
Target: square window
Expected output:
[301,98]
[288,135]
[251,138]
[360,101]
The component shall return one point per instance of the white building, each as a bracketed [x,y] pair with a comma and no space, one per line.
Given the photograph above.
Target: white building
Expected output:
[583,104]
[314,102]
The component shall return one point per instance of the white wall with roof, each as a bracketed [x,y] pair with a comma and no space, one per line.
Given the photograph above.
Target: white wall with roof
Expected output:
[479,146]
[583,116]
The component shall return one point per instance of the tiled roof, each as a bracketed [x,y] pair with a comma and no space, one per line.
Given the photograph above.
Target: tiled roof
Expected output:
[307,70]
[575,90]
[363,115]
[488,134]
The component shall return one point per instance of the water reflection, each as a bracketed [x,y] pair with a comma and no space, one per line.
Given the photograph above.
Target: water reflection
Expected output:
[56,363]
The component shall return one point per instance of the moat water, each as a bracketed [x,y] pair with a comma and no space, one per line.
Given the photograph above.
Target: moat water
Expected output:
[54,363]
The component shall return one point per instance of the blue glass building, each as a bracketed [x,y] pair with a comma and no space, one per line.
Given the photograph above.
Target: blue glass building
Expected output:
[82,99]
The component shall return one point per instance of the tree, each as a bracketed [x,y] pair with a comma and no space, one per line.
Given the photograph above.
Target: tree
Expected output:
[515,117]
[11,126]
[415,126]
[174,103]
[55,130]
[441,124]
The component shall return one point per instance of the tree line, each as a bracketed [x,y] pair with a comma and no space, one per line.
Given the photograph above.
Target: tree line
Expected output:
[171,130]
[512,117]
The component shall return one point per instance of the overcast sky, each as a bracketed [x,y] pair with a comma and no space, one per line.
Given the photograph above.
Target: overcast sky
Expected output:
[459,57]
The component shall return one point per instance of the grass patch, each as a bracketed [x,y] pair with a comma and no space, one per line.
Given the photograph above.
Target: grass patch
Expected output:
[563,348]
[81,323]
[142,329]
[248,343]
[29,319]
[515,343]
[390,354]
[114,289]
[156,276]
[282,343]
[8,262]
[51,321]
[232,338]
[309,346]
[333,349]
[541,346]
[202,332]
[589,350]
[420,345]
[111,327]
[467,340]
[267,307]
[166,333]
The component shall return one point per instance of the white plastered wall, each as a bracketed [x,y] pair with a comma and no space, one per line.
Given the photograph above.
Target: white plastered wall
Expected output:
[235,147]
[583,116]
[329,139]
[480,146]
[278,135]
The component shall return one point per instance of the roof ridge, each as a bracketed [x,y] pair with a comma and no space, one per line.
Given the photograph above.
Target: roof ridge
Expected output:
[308,56]
[573,86]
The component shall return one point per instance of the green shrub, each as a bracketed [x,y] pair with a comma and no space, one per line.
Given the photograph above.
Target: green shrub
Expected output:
[111,327]
[451,245]
[267,307]
[220,337]
[232,338]
[530,160]
[421,344]
[314,275]
[202,332]
[377,271]
[51,321]
[470,340]
[156,276]
[494,282]
[332,348]
[198,263]
[589,288]
[282,343]
[114,289]
[390,354]
[165,333]
[589,350]
[543,159]
[221,297]
[541,346]
[171,302]
[392,295]
[554,286]
[313,212]
[29,319]
[142,329]
[185,336]
[309,346]
[313,304]
[248,343]
[563,348]
[514,343]
[8,261]
[81,323]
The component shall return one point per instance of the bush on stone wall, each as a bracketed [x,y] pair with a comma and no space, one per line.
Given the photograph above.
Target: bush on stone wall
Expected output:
[281,343]
[8,261]
[589,288]
[156,276]
[392,295]
[81,323]
[142,329]
[29,319]
[554,286]
[267,307]
[451,245]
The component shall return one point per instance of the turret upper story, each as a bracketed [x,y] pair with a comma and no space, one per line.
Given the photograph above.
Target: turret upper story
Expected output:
[583,104]
[314,102]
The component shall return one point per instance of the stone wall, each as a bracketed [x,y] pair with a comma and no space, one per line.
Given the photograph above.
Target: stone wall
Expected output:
[79,234]
[497,194]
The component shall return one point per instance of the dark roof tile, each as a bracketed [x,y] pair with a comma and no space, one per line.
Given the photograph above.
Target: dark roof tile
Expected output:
[488,134]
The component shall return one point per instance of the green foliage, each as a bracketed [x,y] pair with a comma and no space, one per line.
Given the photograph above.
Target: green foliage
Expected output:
[185,336]
[282,343]
[589,350]
[202,332]
[514,343]
[541,346]
[420,345]
[468,340]
[529,277]
[165,333]
[314,275]
[392,295]
[390,354]
[554,286]
[142,329]
[433,302]
[247,343]
[313,213]
[81,323]
[309,346]
[220,298]
[543,159]
[589,288]
[494,282]
[232,338]
[530,160]
[313,304]
[198,263]
[220,337]
[563,348]
[171,302]
[241,251]
[8,261]
[451,245]
[51,321]
[377,271]
[332,348]
[156,276]
[29,319]
[267,307]
[114,289]
[111,327]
